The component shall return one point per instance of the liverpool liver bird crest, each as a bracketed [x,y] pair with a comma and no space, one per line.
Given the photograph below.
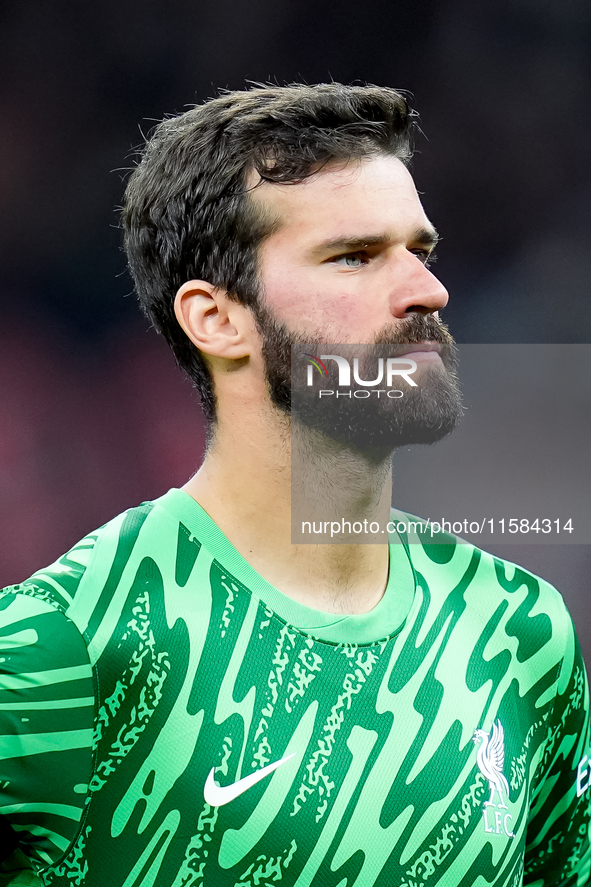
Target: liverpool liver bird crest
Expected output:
[491,759]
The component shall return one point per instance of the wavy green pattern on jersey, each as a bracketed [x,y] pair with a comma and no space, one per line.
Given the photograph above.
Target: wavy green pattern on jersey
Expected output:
[452,750]
[47,713]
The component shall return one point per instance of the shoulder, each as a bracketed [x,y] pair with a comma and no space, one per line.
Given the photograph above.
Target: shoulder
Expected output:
[507,598]
[93,567]
[95,555]
[102,576]
[428,543]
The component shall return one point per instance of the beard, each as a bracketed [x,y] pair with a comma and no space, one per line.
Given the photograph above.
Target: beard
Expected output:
[373,425]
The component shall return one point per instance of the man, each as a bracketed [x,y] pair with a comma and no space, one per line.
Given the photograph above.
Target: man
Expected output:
[266,711]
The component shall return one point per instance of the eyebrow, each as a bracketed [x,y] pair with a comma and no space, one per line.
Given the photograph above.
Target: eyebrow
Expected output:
[424,236]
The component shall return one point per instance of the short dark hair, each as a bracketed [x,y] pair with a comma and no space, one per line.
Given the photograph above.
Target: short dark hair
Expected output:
[187,212]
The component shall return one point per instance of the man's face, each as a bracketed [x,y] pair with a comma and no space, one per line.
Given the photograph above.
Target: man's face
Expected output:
[350,255]
[348,264]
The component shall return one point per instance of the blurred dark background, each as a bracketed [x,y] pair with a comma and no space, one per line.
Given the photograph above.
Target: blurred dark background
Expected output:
[93,414]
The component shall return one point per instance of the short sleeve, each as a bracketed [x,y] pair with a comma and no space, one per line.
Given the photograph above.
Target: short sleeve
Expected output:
[47,706]
[558,852]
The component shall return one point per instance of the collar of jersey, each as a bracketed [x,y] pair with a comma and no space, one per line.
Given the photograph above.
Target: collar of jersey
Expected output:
[386,618]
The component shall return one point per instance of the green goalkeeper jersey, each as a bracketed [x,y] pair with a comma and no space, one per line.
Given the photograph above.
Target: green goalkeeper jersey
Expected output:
[169,718]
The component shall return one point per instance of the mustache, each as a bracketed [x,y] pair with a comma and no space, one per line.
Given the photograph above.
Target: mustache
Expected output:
[415,329]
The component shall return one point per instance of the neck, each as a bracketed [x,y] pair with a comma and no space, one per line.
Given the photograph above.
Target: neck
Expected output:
[259,488]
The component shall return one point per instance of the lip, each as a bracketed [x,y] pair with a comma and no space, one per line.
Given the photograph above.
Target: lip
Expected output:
[418,347]
[421,352]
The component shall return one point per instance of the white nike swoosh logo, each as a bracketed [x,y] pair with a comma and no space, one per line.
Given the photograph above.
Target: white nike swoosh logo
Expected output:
[217,795]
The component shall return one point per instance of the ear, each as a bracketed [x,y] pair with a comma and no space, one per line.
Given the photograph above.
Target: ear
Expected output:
[216,324]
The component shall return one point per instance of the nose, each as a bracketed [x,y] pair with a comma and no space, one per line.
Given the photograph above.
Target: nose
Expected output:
[415,289]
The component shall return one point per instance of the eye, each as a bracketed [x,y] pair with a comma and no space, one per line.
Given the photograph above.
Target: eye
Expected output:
[426,256]
[351,260]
